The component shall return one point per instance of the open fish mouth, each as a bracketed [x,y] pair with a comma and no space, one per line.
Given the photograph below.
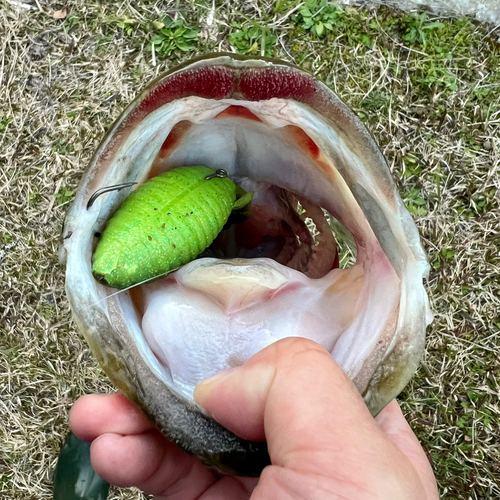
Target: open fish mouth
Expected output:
[284,135]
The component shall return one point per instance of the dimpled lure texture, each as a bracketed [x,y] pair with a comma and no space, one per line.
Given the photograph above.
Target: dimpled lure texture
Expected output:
[162,225]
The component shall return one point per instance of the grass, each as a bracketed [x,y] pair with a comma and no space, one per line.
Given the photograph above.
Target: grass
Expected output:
[427,88]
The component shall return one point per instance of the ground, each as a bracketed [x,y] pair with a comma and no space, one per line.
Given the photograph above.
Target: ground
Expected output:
[427,88]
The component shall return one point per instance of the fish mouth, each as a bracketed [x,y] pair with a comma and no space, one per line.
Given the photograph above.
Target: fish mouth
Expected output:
[229,310]
[281,133]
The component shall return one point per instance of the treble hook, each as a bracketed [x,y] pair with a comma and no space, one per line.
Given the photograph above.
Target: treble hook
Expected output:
[107,189]
[220,173]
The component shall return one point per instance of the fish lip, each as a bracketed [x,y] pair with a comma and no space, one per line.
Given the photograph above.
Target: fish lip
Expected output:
[351,128]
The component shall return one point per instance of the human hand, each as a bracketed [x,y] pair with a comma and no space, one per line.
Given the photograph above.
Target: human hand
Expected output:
[322,440]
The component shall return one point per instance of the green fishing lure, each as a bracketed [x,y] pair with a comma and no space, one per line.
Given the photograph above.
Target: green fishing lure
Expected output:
[164,224]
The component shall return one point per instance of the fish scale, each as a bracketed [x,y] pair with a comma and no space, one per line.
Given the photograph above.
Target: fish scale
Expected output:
[162,225]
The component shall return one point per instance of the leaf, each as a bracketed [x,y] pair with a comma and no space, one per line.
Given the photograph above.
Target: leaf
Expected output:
[183,45]
[179,32]
[60,14]
[447,253]
[74,478]
[158,25]
[254,32]
[305,12]
[168,22]
[191,34]
[366,40]
[411,36]
[167,47]
[320,29]
[157,39]
[432,26]
[253,48]
[308,22]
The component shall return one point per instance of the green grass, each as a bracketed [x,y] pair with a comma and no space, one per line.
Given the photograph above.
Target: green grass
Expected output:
[427,88]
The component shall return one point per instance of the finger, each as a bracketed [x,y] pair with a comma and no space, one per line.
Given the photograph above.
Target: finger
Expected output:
[127,450]
[392,421]
[295,395]
[98,414]
[150,462]
[229,488]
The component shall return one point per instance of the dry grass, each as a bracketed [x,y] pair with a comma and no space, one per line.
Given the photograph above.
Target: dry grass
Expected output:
[437,119]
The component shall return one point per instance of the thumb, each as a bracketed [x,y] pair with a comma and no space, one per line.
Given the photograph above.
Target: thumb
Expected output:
[295,396]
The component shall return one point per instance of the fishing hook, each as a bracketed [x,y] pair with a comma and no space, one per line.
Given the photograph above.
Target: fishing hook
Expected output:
[107,189]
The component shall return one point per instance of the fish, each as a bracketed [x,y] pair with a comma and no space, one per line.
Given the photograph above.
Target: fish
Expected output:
[317,177]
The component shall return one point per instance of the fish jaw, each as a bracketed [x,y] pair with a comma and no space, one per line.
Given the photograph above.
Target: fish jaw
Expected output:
[335,149]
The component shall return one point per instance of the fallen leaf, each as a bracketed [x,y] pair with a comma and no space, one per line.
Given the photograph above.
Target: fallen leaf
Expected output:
[59,14]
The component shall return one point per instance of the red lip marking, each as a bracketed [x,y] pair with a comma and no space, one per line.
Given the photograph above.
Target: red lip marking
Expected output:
[282,83]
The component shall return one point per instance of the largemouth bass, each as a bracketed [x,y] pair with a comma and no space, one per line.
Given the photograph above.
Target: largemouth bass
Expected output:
[309,160]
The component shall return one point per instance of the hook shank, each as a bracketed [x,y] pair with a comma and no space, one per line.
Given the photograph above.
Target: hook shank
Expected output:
[107,189]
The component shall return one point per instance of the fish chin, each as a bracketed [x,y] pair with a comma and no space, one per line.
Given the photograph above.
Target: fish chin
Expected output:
[282,134]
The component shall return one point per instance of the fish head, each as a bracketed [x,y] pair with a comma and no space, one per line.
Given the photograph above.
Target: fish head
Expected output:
[312,166]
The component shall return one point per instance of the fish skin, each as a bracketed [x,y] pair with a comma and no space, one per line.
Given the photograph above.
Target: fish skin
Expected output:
[109,338]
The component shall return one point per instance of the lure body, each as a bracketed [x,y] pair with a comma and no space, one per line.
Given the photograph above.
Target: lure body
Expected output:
[162,225]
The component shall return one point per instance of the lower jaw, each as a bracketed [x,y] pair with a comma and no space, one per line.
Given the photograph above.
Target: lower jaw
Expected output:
[214,314]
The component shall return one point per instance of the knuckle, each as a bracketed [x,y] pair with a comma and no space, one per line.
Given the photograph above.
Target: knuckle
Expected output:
[299,346]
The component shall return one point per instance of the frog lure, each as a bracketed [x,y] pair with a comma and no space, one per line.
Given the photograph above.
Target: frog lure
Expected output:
[166,223]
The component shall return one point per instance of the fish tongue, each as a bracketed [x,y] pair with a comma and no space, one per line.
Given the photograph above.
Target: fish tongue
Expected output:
[238,283]
[214,314]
